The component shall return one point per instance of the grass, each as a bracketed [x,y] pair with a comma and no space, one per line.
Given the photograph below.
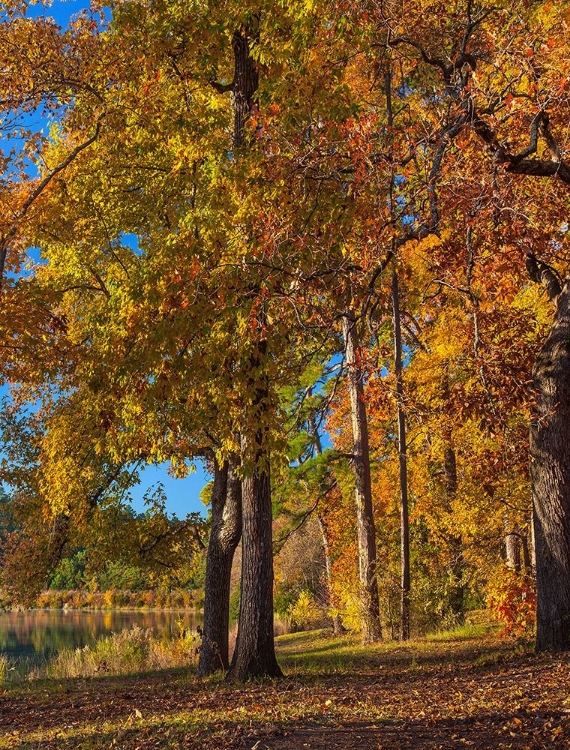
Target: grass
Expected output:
[137,650]
[320,652]
[127,652]
[460,688]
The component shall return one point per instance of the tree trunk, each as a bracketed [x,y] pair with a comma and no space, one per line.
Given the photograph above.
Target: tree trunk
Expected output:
[224,538]
[457,593]
[403,459]
[550,474]
[254,654]
[526,555]
[371,628]
[512,546]
[336,622]
[245,83]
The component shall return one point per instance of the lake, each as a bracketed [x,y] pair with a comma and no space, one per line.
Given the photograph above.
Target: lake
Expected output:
[35,636]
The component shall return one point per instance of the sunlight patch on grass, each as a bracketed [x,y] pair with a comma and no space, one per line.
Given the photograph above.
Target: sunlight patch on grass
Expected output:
[321,652]
[468,630]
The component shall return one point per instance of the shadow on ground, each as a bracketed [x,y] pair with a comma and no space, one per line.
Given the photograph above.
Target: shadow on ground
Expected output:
[468,693]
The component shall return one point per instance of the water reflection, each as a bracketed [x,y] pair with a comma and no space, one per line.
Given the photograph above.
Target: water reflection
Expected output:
[39,634]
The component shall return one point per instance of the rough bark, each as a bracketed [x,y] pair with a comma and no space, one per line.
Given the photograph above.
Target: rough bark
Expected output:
[550,474]
[371,628]
[224,537]
[254,654]
[403,460]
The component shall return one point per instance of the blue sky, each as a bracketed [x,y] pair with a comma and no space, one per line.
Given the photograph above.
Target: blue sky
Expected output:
[61,10]
[182,495]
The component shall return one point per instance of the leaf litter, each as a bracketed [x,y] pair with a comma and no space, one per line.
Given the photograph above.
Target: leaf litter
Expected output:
[443,695]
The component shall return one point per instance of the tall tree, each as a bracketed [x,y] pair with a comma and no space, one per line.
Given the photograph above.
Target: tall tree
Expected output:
[254,654]
[550,467]
[402,457]
[366,532]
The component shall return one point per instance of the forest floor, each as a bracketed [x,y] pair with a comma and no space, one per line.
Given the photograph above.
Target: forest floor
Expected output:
[449,691]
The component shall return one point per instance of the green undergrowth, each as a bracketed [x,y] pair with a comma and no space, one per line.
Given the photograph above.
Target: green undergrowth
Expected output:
[321,652]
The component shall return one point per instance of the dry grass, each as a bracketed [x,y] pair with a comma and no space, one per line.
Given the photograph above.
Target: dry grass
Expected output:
[128,652]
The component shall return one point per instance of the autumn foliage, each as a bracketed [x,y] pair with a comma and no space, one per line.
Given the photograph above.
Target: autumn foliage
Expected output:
[208,223]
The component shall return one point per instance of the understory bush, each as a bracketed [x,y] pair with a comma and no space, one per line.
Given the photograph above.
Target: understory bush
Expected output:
[131,650]
[511,598]
[306,613]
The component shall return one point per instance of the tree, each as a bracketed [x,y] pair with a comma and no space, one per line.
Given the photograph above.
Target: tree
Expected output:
[518,114]
[254,654]
[366,533]
[402,455]
[225,533]
[67,494]
[550,468]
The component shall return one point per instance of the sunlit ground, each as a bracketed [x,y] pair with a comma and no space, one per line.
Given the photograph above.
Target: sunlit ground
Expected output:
[462,689]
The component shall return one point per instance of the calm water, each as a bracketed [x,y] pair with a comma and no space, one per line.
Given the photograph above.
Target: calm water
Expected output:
[38,635]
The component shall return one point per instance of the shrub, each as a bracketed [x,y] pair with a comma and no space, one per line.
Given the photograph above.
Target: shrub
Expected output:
[306,613]
[4,669]
[132,650]
[511,598]
[109,598]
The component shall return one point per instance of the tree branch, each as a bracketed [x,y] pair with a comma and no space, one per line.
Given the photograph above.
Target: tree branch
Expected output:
[222,88]
[542,273]
[42,185]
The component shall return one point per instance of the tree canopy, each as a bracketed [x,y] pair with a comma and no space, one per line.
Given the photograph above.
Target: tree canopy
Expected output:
[223,198]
